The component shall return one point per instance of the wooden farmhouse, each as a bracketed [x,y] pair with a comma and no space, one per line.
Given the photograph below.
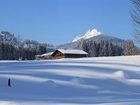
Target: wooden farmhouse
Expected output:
[69,53]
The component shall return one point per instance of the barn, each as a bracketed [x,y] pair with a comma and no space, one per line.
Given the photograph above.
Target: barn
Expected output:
[69,53]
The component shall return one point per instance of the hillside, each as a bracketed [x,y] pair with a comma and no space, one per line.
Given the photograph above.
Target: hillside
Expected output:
[93,81]
[11,39]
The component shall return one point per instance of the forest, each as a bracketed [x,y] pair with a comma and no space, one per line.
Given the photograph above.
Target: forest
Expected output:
[10,52]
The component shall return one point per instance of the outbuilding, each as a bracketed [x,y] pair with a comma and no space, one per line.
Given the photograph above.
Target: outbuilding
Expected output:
[44,56]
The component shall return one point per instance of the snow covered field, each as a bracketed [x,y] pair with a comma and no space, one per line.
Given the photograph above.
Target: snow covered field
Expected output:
[86,81]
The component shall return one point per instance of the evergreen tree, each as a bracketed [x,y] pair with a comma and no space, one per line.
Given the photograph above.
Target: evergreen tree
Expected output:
[100,48]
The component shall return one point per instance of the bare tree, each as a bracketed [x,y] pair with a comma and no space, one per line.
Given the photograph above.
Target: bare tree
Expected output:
[129,48]
[136,19]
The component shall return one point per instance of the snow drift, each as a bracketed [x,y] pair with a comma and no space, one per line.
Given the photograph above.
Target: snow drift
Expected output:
[110,80]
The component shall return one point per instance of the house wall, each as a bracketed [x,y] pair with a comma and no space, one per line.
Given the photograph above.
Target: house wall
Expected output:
[75,55]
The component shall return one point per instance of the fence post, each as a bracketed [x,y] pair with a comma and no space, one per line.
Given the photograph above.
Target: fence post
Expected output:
[9,82]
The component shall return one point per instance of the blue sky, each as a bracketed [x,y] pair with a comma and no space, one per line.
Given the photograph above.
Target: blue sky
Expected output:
[59,21]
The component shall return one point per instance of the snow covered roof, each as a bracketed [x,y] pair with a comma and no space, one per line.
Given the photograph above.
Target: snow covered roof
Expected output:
[72,51]
[47,54]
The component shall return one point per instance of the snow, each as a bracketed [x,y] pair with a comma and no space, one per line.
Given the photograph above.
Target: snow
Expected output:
[82,81]
[47,54]
[72,51]
[87,35]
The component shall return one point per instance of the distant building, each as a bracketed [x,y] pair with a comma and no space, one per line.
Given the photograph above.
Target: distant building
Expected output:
[63,53]
[44,56]
[69,53]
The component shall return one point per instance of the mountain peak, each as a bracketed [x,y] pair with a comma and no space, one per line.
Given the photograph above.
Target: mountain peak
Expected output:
[87,35]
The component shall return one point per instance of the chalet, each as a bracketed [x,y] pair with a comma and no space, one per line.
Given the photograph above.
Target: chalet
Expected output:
[69,53]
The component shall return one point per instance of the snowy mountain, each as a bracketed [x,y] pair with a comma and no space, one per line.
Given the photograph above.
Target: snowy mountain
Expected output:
[87,35]
[7,37]
[93,35]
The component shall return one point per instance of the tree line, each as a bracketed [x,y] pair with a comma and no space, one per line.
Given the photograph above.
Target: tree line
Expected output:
[105,48]
[93,48]
[10,52]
